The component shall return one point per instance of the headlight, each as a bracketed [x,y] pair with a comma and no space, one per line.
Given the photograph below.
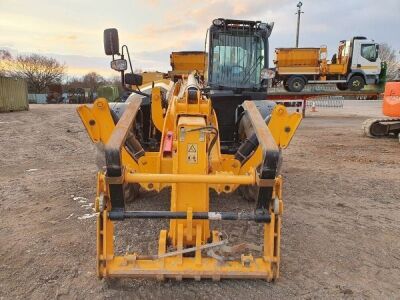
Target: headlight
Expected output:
[218,22]
[119,65]
[267,74]
[263,26]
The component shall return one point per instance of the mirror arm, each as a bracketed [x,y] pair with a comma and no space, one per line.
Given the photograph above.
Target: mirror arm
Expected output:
[134,91]
[123,74]
[123,79]
[129,57]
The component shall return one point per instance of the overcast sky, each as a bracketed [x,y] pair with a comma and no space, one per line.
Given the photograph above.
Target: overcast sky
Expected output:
[72,30]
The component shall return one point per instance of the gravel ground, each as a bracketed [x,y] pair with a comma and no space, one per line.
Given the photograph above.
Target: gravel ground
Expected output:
[341,229]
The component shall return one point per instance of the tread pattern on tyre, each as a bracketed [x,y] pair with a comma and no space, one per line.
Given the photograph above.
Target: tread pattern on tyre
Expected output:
[293,79]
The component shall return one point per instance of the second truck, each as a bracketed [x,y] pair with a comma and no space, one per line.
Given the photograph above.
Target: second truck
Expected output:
[355,65]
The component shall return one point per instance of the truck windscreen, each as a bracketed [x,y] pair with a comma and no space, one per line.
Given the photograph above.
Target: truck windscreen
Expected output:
[236,60]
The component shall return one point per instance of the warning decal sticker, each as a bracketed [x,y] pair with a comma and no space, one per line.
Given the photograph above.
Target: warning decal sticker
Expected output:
[192,153]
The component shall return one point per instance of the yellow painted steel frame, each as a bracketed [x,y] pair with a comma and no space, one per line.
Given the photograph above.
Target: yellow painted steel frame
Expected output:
[191,169]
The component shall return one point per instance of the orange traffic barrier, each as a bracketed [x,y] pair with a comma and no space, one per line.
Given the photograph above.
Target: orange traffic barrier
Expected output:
[391,99]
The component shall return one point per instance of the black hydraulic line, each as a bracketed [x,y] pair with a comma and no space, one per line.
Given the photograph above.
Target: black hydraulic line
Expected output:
[213,141]
[134,147]
[259,216]
[246,148]
[214,131]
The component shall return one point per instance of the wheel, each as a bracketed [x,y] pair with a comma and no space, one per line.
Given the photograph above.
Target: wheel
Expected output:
[249,193]
[356,83]
[131,192]
[296,84]
[286,88]
[285,84]
[265,107]
[341,86]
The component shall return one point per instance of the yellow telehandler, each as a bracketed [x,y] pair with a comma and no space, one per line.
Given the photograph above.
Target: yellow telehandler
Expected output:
[192,136]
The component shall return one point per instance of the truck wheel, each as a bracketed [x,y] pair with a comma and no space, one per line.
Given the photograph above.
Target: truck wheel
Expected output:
[286,88]
[296,84]
[356,83]
[341,86]
[284,85]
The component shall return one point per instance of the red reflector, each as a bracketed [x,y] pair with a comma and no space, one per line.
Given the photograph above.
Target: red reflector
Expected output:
[167,149]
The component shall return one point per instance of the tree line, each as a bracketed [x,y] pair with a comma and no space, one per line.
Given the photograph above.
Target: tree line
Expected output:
[42,72]
[390,56]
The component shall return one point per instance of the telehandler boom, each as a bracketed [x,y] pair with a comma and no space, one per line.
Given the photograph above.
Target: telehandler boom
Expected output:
[193,136]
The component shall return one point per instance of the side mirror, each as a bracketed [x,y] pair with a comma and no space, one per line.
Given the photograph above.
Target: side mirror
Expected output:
[119,64]
[133,79]
[111,41]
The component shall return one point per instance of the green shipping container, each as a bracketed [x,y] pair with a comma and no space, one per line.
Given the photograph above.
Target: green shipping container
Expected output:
[13,94]
[110,92]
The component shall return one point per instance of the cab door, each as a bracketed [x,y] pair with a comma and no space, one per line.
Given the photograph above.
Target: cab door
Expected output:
[365,57]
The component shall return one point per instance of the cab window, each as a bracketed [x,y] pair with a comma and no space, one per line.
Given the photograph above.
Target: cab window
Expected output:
[237,60]
[369,52]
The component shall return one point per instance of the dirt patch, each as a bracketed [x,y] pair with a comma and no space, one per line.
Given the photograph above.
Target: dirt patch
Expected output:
[340,229]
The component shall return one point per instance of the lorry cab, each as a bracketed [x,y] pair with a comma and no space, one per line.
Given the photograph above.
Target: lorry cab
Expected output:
[364,58]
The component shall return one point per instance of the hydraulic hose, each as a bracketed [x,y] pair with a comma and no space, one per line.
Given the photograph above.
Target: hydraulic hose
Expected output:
[249,145]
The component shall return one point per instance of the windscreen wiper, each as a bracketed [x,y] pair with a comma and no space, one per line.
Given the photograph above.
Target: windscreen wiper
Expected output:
[252,69]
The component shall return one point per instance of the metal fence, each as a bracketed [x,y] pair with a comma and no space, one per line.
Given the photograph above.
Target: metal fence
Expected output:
[326,102]
[309,88]
[37,98]
[42,98]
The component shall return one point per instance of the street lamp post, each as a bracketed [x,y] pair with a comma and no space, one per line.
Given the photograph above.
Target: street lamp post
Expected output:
[299,5]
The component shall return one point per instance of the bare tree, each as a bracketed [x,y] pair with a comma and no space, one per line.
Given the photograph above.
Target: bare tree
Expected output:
[39,71]
[388,54]
[93,80]
[74,83]
[5,54]
[116,80]
[5,57]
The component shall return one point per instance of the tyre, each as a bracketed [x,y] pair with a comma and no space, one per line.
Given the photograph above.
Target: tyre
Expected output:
[341,86]
[356,83]
[249,193]
[131,192]
[286,88]
[296,84]
[265,107]
[284,85]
